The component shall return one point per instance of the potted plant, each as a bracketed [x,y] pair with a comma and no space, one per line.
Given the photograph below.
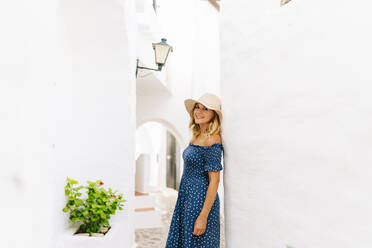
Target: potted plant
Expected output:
[93,211]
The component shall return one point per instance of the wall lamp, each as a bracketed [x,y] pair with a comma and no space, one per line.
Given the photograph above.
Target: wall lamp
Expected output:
[162,50]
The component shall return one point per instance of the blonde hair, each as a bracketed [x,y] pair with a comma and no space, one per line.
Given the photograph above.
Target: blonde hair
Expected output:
[214,126]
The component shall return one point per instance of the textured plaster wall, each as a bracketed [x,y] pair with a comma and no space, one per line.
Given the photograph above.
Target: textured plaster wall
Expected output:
[296,85]
[27,121]
[96,109]
[67,108]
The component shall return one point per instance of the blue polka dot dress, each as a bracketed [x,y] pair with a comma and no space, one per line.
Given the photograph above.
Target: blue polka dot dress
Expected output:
[198,160]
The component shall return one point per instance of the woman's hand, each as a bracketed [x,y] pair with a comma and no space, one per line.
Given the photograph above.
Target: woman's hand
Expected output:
[200,225]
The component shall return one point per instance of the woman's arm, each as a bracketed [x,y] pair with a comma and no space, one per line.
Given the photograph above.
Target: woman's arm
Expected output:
[201,221]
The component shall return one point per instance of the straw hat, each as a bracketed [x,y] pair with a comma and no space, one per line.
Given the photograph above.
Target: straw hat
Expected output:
[209,100]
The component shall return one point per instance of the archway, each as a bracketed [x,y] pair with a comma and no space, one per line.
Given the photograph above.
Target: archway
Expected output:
[159,167]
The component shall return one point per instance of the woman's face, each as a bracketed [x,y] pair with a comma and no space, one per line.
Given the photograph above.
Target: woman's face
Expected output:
[202,114]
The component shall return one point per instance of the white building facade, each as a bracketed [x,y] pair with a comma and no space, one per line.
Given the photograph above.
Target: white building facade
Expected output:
[296,89]
[71,104]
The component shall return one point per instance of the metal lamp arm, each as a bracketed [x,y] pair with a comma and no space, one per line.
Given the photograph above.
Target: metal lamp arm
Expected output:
[141,67]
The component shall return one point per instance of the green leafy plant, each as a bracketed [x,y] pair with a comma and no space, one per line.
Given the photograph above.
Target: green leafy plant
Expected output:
[94,211]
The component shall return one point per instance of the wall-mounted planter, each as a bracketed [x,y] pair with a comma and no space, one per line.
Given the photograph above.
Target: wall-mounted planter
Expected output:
[92,212]
[119,235]
[102,232]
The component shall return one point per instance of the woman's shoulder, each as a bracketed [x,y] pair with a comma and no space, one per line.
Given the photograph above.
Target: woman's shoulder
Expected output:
[213,142]
[215,139]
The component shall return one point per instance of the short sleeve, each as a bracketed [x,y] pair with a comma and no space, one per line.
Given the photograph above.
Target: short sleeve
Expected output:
[213,157]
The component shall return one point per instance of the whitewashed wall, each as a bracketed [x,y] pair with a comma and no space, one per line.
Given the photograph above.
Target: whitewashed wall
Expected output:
[151,140]
[27,122]
[96,108]
[206,48]
[296,85]
[67,94]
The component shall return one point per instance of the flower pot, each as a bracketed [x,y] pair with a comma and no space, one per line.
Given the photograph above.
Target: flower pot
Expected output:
[102,232]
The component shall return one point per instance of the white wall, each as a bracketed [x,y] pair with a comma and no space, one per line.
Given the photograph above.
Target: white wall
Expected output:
[67,94]
[96,106]
[296,89]
[27,130]
[150,139]
[206,48]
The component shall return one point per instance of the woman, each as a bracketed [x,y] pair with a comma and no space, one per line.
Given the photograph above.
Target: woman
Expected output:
[196,217]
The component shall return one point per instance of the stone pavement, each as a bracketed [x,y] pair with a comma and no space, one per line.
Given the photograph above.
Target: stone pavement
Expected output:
[156,237]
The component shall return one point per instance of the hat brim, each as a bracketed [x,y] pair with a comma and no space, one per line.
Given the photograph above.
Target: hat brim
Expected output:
[190,103]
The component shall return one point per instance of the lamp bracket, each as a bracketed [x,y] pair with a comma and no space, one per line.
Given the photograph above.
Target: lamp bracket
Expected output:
[141,67]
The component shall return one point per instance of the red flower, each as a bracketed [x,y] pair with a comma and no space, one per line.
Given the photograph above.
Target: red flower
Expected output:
[100,183]
[114,195]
